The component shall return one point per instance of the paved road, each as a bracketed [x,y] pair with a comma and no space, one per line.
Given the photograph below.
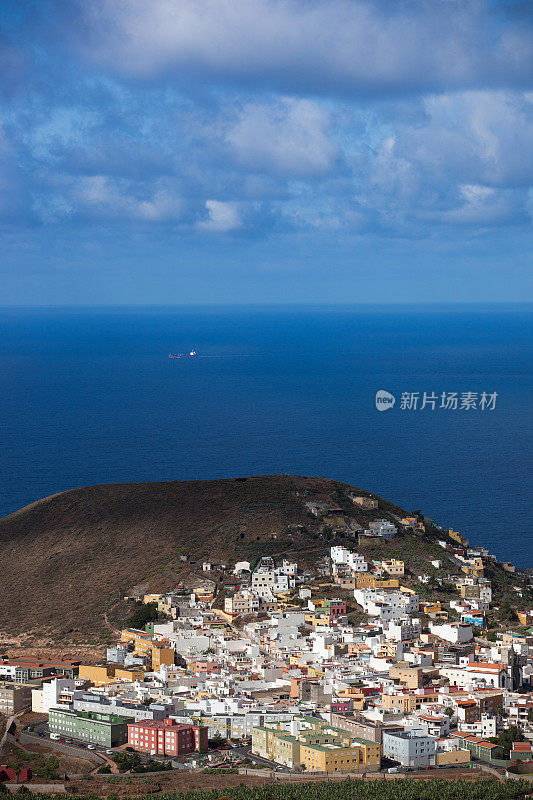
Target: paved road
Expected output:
[68,749]
[9,721]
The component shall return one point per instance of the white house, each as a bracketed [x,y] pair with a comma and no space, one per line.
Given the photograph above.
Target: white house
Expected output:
[454,632]
[383,528]
[404,629]
[354,561]
[488,674]
[386,605]
[241,566]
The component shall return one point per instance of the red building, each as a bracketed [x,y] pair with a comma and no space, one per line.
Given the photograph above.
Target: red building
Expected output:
[341,706]
[167,738]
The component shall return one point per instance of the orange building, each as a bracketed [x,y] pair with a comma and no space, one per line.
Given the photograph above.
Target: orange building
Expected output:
[368,581]
[159,652]
[162,654]
[98,674]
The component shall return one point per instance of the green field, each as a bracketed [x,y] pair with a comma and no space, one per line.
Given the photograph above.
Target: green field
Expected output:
[482,789]
[371,790]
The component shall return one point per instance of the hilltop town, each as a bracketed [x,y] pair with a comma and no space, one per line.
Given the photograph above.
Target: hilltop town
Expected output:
[351,659]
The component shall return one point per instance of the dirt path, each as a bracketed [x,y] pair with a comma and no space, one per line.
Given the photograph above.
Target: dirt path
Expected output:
[114,766]
[114,630]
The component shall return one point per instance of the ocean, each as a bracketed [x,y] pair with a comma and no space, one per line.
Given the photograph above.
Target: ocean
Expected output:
[90,396]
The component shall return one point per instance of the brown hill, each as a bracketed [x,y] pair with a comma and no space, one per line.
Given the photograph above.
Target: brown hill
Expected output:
[68,559]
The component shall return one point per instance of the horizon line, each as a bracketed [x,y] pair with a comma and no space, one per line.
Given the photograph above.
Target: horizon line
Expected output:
[362,304]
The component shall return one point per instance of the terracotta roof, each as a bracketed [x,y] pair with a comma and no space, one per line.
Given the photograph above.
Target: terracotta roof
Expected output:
[481,666]
[474,739]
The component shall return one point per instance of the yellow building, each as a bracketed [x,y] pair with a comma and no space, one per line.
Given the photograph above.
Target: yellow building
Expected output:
[101,674]
[468,590]
[432,608]
[319,747]
[98,674]
[332,758]
[393,567]
[413,522]
[367,581]
[474,570]
[129,674]
[354,694]
[407,703]
[144,645]
[276,745]
[388,649]
[365,502]
[457,537]
[151,598]
[135,636]
[167,608]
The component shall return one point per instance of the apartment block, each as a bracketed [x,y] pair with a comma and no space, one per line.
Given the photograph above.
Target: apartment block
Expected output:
[242,603]
[410,748]
[371,730]
[167,737]
[100,674]
[14,697]
[318,747]
[106,730]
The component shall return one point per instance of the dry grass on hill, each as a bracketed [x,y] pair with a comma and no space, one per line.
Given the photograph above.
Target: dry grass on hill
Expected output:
[68,560]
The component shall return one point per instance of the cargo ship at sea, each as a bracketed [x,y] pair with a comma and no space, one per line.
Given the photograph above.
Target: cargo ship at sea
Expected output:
[192,354]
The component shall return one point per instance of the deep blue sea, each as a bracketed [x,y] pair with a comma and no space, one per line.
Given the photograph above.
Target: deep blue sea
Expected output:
[90,396]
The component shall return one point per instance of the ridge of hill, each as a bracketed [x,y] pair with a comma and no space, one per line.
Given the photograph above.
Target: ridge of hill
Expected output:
[68,560]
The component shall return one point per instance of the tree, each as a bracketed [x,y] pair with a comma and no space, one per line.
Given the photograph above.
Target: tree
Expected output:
[216,740]
[506,738]
[49,768]
[145,613]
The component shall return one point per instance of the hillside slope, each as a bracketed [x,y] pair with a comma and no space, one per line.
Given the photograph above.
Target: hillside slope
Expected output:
[67,559]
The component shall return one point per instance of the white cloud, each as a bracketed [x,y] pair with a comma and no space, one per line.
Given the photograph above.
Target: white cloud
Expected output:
[467,159]
[222,217]
[483,137]
[325,45]
[290,137]
[482,206]
[102,196]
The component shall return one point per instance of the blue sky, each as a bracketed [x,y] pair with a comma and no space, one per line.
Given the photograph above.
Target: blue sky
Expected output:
[258,151]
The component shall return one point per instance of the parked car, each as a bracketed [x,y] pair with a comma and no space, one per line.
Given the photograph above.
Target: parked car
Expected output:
[91,747]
